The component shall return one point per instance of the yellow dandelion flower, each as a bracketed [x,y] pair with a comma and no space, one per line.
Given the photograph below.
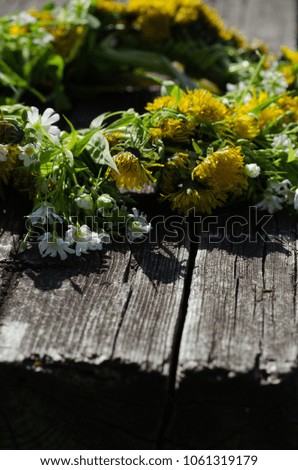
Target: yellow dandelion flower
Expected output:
[17,30]
[213,20]
[182,192]
[8,160]
[239,39]
[207,186]
[155,133]
[223,171]
[113,138]
[257,98]
[269,115]
[160,103]
[203,200]
[42,15]
[178,130]
[288,72]
[244,126]
[153,18]
[201,105]
[177,169]
[290,55]
[109,6]
[187,11]
[132,173]
[289,105]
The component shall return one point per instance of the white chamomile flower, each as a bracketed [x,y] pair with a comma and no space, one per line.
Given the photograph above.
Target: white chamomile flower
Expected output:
[281,142]
[28,154]
[281,188]
[271,203]
[24,18]
[137,225]
[46,121]
[44,213]
[274,82]
[85,239]
[52,245]
[84,201]
[252,170]
[3,153]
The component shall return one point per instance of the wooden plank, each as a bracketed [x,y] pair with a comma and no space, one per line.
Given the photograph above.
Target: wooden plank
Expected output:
[242,307]
[13,6]
[239,345]
[101,328]
[272,21]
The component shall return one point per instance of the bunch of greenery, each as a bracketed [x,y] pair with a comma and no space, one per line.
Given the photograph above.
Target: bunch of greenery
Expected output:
[94,45]
[196,150]
[76,208]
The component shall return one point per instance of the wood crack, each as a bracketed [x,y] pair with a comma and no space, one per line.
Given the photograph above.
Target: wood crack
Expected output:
[168,409]
[124,310]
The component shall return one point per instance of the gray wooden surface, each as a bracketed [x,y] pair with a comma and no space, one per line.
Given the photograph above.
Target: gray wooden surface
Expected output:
[186,344]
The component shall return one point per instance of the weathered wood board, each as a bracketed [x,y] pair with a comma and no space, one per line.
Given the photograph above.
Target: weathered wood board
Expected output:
[238,351]
[169,344]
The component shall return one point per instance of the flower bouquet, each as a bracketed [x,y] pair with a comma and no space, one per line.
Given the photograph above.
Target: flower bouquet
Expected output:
[197,151]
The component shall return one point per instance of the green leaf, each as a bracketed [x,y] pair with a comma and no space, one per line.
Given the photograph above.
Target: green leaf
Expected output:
[46,157]
[82,143]
[196,147]
[291,154]
[73,134]
[97,122]
[98,147]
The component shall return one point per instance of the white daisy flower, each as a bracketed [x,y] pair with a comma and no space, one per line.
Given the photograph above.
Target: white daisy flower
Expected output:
[46,121]
[44,213]
[85,239]
[28,154]
[281,142]
[24,18]
[274,82]
[137,225]
[271,203]
[52,245]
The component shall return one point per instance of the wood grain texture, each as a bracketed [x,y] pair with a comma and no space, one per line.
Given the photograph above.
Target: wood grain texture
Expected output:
[236,371]
[242,307]
[97,309]
[103,328]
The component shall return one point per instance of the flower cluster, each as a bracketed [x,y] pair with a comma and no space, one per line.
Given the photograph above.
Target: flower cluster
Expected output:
[205,152]
[87,43]
[196,149]
[76,206]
